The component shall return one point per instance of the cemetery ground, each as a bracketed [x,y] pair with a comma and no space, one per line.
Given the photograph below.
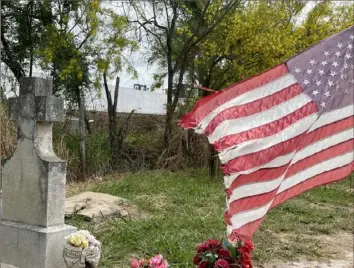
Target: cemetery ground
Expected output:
[186,208]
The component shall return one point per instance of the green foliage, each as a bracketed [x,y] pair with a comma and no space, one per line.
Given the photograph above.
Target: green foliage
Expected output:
[97,152]
[260,35]
[22,26]
[107,50]
[66,43]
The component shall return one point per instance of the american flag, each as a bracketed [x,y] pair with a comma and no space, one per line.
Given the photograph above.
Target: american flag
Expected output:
[282,132]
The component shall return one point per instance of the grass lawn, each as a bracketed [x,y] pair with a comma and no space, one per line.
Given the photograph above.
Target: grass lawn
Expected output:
[187,208]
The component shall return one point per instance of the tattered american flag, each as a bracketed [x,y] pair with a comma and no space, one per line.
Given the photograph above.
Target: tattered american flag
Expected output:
[283,131]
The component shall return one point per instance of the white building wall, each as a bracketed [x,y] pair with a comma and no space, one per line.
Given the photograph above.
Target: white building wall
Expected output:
[143,102]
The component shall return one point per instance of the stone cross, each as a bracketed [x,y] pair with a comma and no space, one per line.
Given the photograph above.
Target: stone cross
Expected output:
[32,228]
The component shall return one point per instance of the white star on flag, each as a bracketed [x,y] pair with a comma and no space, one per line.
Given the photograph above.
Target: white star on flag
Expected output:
[321,72]
[327,94]
[337,54]
[312,62]
[315,92]
[345,66]
[333,73]
[335,64]
[318,82]
[309,71]
[324,63]
[351,37]
[348,56]
[323,104]
[339,45]
[326,53]
[342,76]
[297,70]
[350,46]
[306,82]
[330,83]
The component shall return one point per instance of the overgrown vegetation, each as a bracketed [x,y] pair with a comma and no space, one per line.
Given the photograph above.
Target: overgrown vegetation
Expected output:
[80,44]
[186,208]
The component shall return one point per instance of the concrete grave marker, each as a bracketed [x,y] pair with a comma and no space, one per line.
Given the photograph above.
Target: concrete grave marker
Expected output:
[32,228]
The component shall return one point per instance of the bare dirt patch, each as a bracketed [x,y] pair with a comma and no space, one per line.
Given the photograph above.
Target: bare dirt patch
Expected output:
[338,249]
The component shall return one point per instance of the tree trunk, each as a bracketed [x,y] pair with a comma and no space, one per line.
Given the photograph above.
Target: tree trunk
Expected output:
[212,162]
[82,137]
[168,127]
[112,117]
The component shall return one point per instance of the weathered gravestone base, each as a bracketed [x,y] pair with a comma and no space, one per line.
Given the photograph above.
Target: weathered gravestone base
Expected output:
[32,228]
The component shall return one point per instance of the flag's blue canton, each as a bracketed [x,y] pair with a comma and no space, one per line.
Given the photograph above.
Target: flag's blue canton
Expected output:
[325,71]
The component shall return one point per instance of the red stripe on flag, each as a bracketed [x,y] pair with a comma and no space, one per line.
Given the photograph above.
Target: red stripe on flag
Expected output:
[321,156]
[254,107]
[250,228]
[251,202]
[319,180]
[200,110]
[264,156]
[246,231]
[327,131]
[264,174]
[267,129]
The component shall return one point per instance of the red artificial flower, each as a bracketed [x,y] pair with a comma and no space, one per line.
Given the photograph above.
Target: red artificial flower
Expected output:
[244,252]
[224,254]
[203,264]
[246,263]
[213,244]
[202,247]
[249,245]
[197,259]
[221,264]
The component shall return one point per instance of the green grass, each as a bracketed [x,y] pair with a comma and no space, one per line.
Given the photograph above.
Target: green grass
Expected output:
[187,208]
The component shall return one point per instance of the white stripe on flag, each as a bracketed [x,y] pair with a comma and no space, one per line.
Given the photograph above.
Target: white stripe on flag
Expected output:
[252,146]
[276,162]
[323,144]
[250,96]
[235,126]
[257,188]
[252,189]
[322,167]
[333,116]
[240,219]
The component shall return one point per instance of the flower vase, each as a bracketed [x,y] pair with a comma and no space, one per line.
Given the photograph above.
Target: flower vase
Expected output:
[76,257]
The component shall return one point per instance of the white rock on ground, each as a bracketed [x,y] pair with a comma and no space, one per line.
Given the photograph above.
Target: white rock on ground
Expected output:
[97,206]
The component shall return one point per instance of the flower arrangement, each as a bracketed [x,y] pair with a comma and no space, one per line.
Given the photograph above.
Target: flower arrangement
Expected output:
[155,262]
[216,254]
[82,239]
